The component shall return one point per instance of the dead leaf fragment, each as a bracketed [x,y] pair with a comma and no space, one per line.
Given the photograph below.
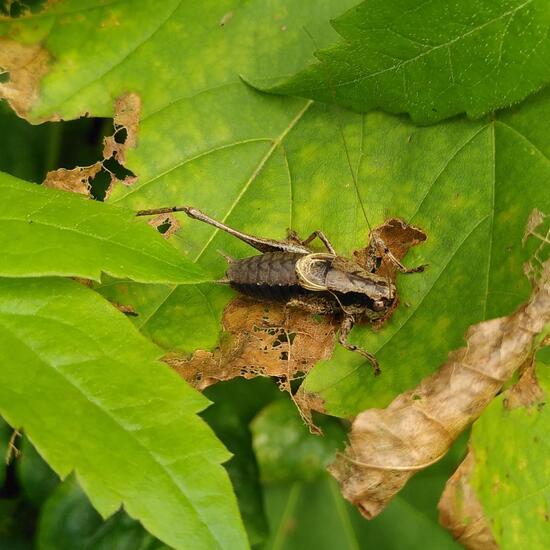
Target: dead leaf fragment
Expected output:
[165,219]
[387,446]
[526,391]
[126,118]
[261,340]
[398,237]
[461,512]
[26,66]
[76,180]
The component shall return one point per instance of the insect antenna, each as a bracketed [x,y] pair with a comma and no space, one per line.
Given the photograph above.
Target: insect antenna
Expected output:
[341,129]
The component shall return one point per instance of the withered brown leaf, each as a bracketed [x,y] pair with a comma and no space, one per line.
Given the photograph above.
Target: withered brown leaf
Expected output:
[388,446]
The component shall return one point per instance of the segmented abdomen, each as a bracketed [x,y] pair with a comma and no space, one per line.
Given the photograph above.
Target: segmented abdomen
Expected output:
[269,276]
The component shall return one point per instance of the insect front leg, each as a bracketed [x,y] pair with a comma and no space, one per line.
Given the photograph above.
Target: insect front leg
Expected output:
[293,236]
[345,329]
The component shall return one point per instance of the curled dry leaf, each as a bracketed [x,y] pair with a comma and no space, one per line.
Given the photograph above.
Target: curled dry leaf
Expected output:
[387,446]
[25,67]
[76,180]
[461,512]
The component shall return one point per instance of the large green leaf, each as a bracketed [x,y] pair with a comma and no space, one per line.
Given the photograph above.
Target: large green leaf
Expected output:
[51,232]
[265,163]
[432,60]
[511,476]
[92,397]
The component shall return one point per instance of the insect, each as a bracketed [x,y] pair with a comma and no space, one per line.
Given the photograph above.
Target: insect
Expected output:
[290,272]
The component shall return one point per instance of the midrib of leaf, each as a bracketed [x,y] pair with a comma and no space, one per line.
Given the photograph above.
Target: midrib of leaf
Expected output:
[490,245]
[163,468]
[200,155]
[398,66]
[276,142]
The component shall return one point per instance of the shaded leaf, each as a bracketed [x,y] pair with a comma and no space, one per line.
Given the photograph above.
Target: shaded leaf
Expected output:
[69,235]
[286,450]
[36,478]
[145,448]
[234,405]
[304,514]
[430,60]
[69,521]
[5,436]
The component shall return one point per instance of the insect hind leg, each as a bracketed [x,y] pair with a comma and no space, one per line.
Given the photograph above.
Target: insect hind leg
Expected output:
[259,243]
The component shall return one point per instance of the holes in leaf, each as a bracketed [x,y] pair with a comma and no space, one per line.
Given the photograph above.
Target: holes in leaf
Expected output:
[4,76]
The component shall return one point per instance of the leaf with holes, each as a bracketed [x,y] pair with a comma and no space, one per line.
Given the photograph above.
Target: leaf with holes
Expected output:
[50,232]
[429,59]
[264,163]
[143,448]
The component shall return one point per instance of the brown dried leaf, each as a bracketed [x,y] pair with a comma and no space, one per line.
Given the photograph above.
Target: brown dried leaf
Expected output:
[127,111]
[260,340]
[76,180]
[165,219]
[26,66]
[461,512]
[387,446]
[398,236]
[526,392]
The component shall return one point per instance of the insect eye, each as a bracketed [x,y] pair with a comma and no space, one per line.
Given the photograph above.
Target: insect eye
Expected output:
[378,305]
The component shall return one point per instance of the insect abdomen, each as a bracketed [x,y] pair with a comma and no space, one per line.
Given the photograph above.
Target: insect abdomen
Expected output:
[269,276]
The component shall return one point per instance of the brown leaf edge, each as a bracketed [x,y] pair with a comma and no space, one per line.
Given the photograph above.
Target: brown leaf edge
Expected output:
[25,67]
[388,446]
[461,513]
[126,123]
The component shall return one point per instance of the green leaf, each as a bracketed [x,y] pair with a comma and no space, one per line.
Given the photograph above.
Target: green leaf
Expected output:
[305,507]
[511,476]
[430,60]
[315,515]
[69,521]
[142,447]
[264,163]
[36,478]
[286,450]
[234,405]
[5,435]
[50,232]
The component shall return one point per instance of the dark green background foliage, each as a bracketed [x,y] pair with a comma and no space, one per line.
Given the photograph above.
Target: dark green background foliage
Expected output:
[84,382]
